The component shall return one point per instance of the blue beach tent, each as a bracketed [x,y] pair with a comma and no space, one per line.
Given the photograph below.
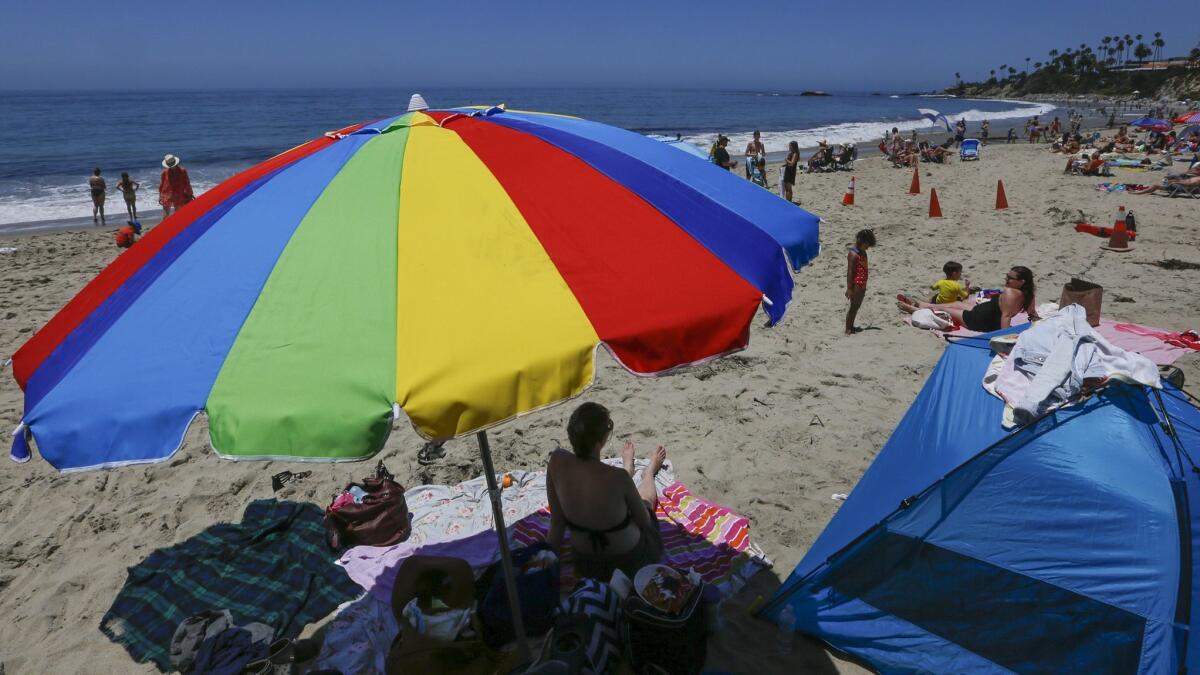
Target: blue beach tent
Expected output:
[1067,546]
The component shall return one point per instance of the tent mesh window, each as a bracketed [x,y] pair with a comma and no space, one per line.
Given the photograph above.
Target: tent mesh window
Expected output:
[990,610]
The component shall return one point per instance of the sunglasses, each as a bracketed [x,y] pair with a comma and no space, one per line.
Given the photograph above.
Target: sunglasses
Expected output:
[1012,278]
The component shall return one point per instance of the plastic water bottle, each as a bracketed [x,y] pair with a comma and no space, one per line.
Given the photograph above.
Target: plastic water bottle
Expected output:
[787,630]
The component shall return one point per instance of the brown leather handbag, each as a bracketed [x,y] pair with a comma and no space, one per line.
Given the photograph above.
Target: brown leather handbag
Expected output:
[380,519]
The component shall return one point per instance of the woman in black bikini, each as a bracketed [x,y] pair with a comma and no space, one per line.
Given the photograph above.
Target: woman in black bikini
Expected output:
[993,314]
[611,520]
[98,188]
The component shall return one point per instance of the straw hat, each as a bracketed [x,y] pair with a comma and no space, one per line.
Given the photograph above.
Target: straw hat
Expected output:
[417,102]
[170,162]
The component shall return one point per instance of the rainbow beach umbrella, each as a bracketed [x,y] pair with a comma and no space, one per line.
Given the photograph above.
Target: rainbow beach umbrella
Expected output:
[457,266]
[461,266]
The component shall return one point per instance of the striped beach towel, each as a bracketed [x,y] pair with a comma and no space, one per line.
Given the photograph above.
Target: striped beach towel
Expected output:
[272,568]
[697,534]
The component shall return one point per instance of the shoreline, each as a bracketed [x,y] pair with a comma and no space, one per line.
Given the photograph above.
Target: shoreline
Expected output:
[73,225]
[865,149]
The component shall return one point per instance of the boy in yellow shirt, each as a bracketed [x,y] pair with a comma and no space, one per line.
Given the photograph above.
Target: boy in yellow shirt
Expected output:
[952,288]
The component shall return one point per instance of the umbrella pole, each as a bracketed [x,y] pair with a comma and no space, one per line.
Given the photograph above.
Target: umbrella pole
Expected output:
[510,584]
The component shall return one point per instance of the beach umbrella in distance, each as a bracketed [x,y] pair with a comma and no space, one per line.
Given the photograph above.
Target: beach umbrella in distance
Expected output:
[460,267]
[1188,118]
[1151,123]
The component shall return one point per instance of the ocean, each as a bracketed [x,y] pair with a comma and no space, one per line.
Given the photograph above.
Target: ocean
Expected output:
[51,141]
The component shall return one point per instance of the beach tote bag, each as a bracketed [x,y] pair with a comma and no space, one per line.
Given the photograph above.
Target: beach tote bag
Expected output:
[452,583]
[380,519]
[587,634]
[1085,294]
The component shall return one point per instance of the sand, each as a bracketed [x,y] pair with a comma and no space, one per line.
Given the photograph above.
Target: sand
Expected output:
[773,431]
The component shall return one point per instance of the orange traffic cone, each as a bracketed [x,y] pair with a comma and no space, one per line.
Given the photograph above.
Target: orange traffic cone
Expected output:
[848,198]
[935,209]
[1001,199]
[915,188]
[1119,239]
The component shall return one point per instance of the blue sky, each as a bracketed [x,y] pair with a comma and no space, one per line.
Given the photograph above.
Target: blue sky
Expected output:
[798,44]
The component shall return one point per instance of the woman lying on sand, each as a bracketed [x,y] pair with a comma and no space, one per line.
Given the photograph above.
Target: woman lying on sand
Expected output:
[612,521]
[1189,183]
[989,315]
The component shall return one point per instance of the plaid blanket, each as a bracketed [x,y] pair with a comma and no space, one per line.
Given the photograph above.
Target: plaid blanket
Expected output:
[697,534]
[274,568]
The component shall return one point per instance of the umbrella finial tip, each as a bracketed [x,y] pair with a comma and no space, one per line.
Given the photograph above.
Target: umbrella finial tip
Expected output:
[417,102]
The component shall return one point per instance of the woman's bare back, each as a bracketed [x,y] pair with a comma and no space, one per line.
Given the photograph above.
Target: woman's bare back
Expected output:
[595,496]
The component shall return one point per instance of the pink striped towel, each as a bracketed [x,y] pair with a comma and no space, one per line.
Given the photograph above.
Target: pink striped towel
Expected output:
[697,534]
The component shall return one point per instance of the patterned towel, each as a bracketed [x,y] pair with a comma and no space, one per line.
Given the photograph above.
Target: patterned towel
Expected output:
[1119,187]
[456,521]
[697,534]
[274,568]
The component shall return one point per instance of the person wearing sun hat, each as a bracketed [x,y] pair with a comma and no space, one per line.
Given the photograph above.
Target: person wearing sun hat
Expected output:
[175,189]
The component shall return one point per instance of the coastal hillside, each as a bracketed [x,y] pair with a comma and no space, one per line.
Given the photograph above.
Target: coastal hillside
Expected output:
[1116,66]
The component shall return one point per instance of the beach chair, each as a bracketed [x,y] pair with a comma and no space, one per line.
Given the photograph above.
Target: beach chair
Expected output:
[969,149]
[845,159]
[757,175]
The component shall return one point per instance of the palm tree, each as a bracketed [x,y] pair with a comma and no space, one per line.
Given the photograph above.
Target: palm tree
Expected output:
[1142,51]
[958,79]
[1027,64]
[1127,45]
[1013,71]
[1158,43]
[1104,44]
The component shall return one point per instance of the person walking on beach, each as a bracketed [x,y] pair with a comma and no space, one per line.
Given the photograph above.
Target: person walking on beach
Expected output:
[984,129]
[129,188]
[98,188]
[856,276]
[790,164]
[175,189]
[960,132]
[754,150]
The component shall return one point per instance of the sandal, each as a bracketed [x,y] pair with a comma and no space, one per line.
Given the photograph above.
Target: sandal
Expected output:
[284,477]
[431,452]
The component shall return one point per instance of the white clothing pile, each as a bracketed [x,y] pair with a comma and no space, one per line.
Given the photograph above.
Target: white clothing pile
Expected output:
[1051,360]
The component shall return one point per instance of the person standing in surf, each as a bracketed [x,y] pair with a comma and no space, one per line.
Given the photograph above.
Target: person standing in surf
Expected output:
[129,188]
[98,188]
[174,189]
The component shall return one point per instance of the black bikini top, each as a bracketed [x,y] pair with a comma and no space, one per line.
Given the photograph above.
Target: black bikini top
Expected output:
[599,538]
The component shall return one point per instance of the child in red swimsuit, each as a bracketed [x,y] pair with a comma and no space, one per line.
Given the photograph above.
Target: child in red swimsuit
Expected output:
[856,276]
